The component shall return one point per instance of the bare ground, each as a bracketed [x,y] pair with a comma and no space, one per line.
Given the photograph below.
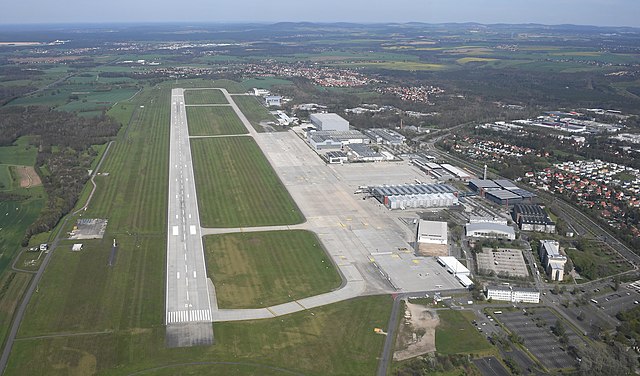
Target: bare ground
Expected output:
[28,177]
[417,334]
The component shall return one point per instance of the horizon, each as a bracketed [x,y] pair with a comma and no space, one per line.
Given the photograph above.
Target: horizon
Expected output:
[599,13]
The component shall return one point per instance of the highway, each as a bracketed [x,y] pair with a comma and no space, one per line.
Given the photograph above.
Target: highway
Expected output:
[188,303]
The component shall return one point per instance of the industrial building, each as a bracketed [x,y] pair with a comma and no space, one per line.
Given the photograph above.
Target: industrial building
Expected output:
[502,192]
[533,218]
[552,260]
[490,231]
[361,152]
[322,140]
[329,122]
[384,136]
[513,294]
[433,169]
[432,238]
[454,267]
[273,101]
[496,220]
[336,157]
[416,196]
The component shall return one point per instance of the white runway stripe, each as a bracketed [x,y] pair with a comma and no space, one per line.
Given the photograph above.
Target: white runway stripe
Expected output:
[196,315]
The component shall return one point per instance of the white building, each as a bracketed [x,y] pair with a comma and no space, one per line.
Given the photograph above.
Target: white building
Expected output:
[456,268]
[273,101]
[513,295]
[260,92]
[432,232]
[552,260]
[490,231]
[329,122]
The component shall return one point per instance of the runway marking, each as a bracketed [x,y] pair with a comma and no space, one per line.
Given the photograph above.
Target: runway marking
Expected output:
[194,274]
[187,295]
[175,230]
[178,275]
[192,229]
[187,281]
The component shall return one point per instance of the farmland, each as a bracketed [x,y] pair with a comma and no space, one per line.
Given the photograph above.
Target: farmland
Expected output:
[194,96]
[213,121]
[237,186]
[337,339]
[267,268]
[254,111]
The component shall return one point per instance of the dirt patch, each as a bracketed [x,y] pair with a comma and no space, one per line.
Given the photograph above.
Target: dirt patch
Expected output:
[27,176]
[417,334]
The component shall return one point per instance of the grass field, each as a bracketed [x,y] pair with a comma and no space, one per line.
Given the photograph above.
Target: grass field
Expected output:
[79,292]
[261,269]
[12,286]
[264,82]
[237,186]
[455,334]
[254,111]
[213,121]
[204,97]
[21,153]
[594,259]
[332,340]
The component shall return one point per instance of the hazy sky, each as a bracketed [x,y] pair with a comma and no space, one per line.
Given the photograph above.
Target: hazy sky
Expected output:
[581,12]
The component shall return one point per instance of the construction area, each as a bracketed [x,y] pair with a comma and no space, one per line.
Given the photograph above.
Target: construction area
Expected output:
[417,332]
[86,228]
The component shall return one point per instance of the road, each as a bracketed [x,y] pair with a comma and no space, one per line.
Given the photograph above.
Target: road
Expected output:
[387,350]
[187,292]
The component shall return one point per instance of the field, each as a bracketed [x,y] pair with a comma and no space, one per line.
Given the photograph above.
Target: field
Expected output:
[264,82]
[254,111]
[79,292]
[455,334]
[593,259]
[21,153]
[337,339]
[213,121]
[237,186]
[204,97]
[262,269]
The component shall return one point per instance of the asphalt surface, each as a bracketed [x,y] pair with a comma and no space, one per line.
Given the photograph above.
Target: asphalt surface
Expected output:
[387,350]
[187,291]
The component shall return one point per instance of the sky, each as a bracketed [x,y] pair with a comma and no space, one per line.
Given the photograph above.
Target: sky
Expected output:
[550,12]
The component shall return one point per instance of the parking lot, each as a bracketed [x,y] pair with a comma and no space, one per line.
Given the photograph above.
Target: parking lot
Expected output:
[621,300]
[491,367]
[535,330]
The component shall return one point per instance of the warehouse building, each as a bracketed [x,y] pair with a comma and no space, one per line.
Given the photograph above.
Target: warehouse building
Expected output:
[361,152]
[336,157]
[329,122]
[490,231]
[482,186]
[503,197]
[416,196]
[458,173]
[384,136]
[533,218]
[513,294]
[552,260]
[456,268]
[322,140]
[273,101]
[432,238]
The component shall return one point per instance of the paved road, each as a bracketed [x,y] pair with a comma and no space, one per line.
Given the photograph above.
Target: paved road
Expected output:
[187,291]
[387,349]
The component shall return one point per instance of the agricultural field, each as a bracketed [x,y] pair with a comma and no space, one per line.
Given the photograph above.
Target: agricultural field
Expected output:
[337,339]
[237,186]
[214,121]
[264,82]
[254,111]
[262,269]
[209,96]
[456,335]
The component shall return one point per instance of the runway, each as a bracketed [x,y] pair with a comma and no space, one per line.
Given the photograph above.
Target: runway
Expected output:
[188,303]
